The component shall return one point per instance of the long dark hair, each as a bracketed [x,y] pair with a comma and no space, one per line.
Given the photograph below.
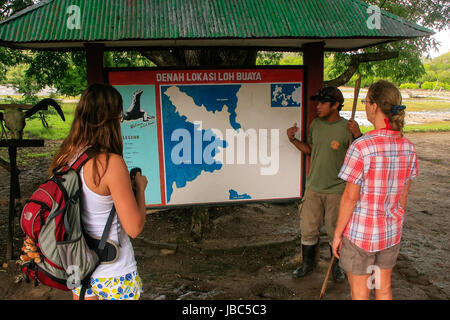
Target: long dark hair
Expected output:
[96,124]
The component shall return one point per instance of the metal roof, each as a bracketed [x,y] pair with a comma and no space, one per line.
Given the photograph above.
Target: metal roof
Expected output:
[341,24]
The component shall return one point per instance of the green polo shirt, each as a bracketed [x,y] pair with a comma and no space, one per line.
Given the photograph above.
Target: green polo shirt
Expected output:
[330,141]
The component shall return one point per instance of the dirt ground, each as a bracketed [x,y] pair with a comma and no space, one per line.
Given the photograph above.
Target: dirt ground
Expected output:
[250,251]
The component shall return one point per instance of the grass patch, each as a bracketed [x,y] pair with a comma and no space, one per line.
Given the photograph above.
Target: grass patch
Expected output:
[48,154]
[6,99]
[436,161]
[57,129]
[417,105]
[439,126]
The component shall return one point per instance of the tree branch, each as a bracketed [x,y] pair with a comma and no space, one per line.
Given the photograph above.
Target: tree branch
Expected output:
[355,61]
[202,57]
[164,58]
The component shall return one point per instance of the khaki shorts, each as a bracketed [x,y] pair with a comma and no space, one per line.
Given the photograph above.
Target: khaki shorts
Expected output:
[355,260]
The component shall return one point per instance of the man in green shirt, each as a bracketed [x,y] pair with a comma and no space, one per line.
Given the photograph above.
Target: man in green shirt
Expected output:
[327,144]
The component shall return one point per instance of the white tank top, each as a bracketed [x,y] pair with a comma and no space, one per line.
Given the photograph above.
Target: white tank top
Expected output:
[96,209]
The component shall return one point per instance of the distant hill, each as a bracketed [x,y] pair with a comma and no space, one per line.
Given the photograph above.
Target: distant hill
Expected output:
[437,68]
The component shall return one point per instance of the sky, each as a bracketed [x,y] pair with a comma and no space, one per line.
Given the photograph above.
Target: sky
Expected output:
[444,38]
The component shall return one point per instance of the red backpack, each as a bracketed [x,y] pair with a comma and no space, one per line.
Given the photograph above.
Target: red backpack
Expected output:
[58,251]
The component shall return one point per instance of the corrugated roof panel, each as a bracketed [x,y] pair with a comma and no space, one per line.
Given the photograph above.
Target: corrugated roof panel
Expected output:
[103,20]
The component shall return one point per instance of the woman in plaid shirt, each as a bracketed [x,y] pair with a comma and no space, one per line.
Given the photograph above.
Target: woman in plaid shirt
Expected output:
[378,169]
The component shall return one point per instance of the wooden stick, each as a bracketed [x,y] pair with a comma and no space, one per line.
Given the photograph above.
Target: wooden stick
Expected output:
[325,282]
[356,95]
[355,102]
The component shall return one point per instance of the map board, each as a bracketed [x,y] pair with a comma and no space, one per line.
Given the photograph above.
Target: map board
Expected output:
[210,136]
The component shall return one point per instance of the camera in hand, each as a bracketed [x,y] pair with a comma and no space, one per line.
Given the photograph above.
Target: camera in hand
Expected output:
[133,174]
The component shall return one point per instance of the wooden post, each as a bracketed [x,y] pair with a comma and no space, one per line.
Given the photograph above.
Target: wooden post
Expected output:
[313,59]
[12,150]
[14,191]
[95,63]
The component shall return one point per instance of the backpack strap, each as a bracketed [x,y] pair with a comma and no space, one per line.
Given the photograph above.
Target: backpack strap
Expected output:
[101,247]
[87,154]
[82,159]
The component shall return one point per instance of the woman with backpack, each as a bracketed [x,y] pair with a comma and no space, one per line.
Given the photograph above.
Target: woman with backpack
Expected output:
[378,169]
[106,182]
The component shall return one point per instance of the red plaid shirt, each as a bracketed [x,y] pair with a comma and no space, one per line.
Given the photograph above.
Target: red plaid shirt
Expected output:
[382,163]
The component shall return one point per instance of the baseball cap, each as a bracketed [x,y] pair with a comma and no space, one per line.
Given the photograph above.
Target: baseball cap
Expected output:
[329,94]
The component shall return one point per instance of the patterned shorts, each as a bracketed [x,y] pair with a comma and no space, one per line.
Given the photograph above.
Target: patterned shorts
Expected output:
[126,287]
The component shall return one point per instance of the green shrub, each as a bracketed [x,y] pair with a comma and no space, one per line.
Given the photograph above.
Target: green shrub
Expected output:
[430,85]
[291,60]
[409,86]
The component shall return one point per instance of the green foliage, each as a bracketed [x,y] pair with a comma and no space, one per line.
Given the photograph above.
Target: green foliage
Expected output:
[265,58]
[408,67]
[276,58]
[24,85]
[435,85]
[126,59]
[292,59]
[10,57]
[63,70]
[328,66]
[8,7]
[437,69]
[428,85]
[409,86]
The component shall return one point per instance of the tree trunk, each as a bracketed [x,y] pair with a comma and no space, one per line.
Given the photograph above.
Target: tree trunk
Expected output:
[202,57]
[355,61]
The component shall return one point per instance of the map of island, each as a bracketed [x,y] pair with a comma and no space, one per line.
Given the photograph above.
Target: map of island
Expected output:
[208,136]
[286,95]
[215,111]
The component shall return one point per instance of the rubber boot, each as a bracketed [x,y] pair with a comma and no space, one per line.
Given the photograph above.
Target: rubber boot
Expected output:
[338,272]
[308,262]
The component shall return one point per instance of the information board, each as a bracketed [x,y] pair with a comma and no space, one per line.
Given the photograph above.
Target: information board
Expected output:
[209,136]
